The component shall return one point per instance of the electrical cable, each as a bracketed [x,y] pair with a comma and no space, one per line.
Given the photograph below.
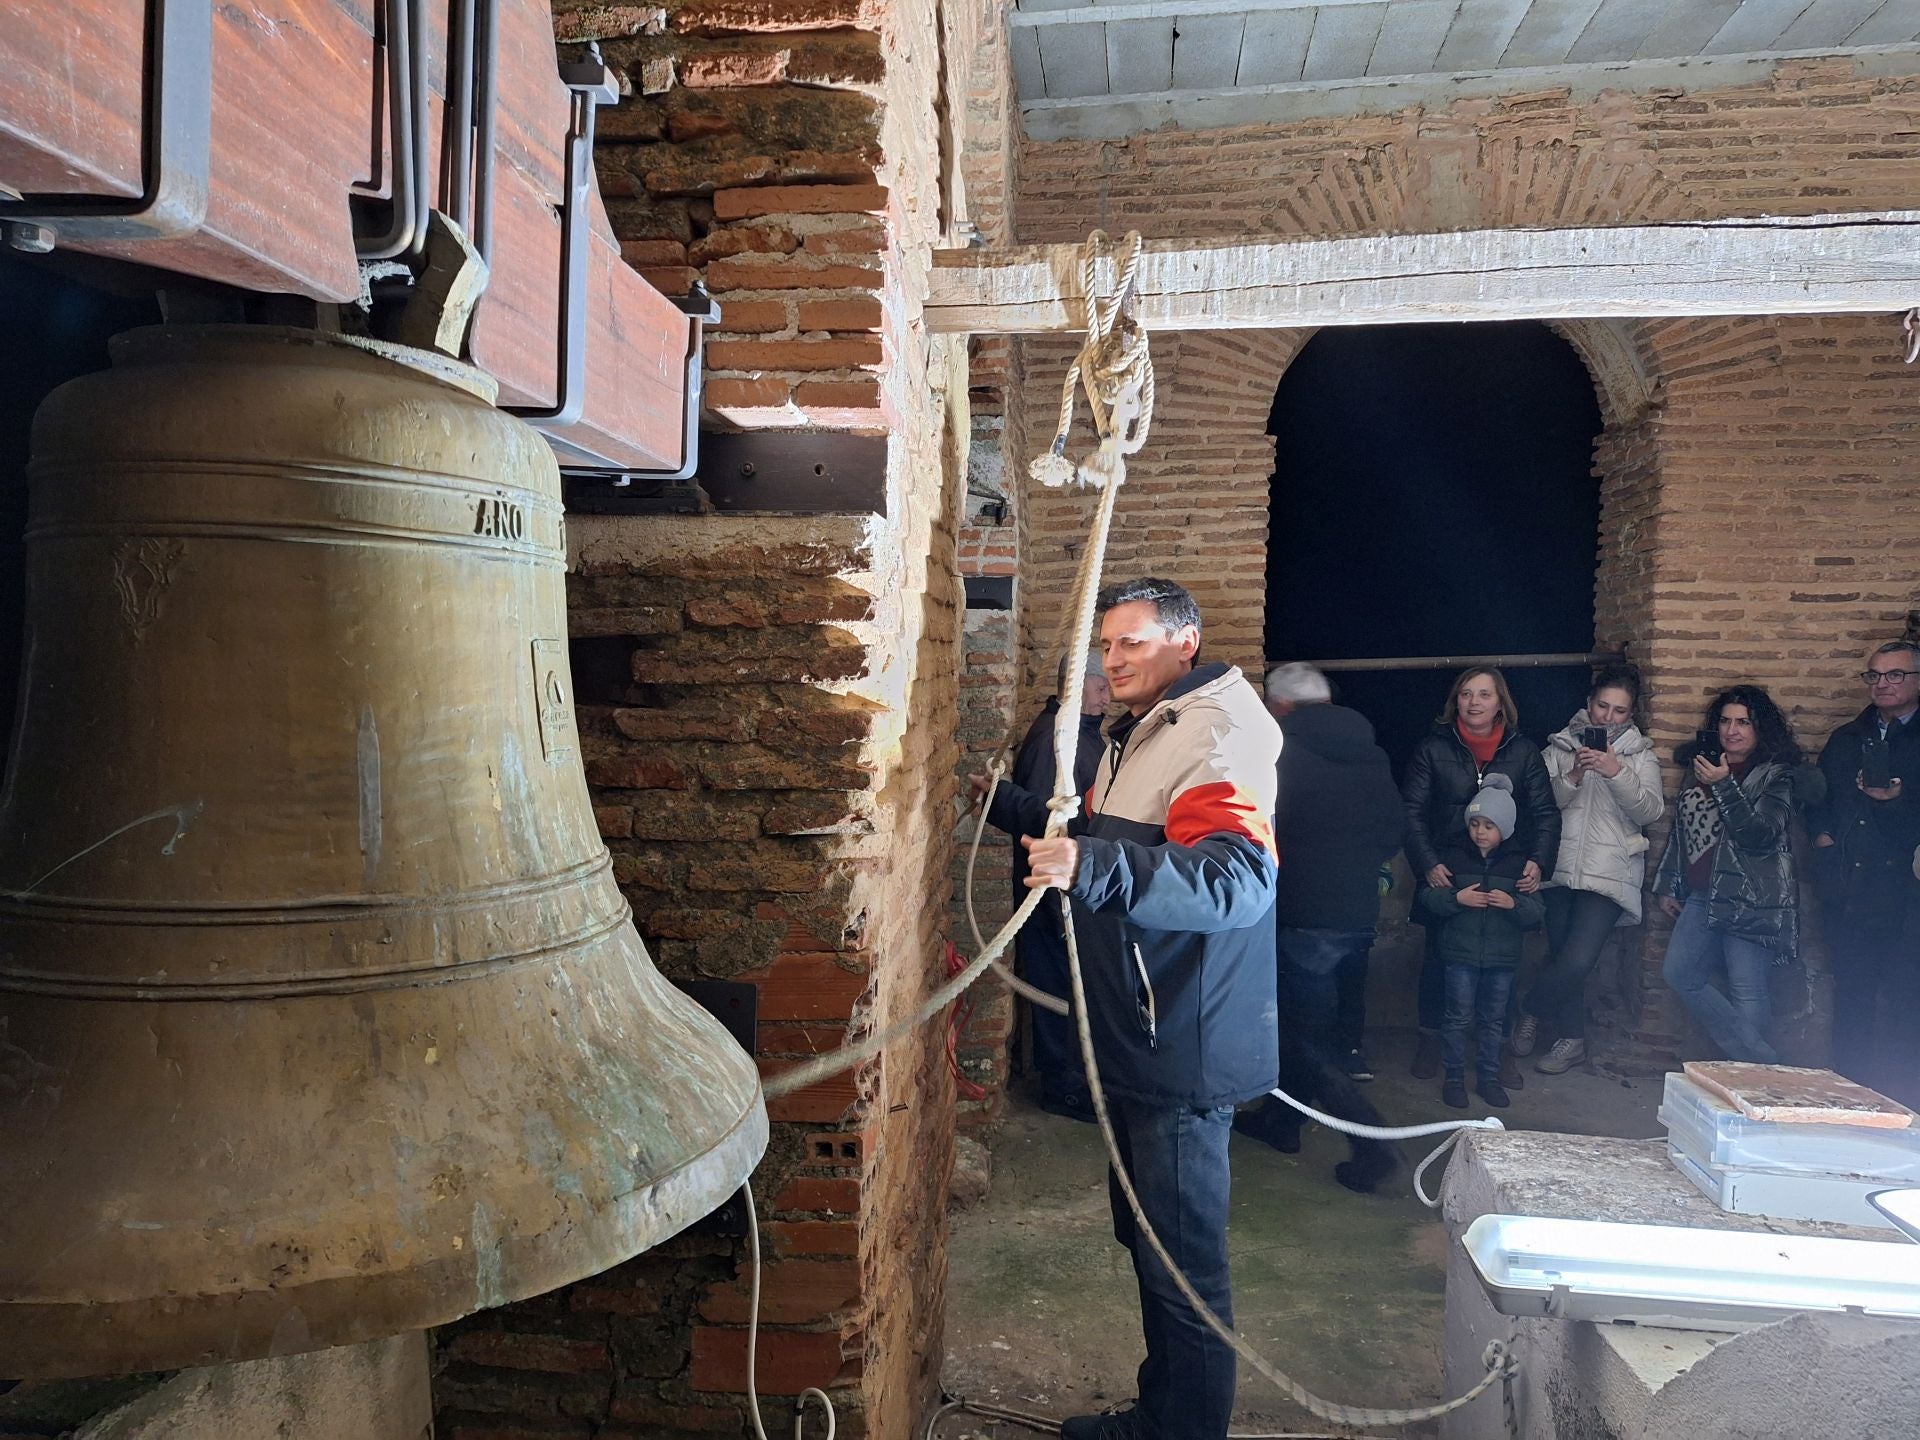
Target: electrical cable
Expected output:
[753,1340]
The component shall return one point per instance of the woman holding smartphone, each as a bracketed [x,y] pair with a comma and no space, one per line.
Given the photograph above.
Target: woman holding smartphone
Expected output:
[1727,876]
[1606,780]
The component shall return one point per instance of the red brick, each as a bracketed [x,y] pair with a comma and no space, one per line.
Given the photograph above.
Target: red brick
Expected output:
[867,238]
[607,22]
[792,1292]
[743,240]
[849,354]
[861,314]
[590,1299]
[615,821]
[723,69]
[789,1361]
[670,279]
[800,200]
[748,272]
[653,252]
[726,392]
[636,772]
[657,1417]
[810,1192]
[854,402]
[825,1102]
[504,1350]
[808,987]
[837,1147]
[754,317]
[813,1237]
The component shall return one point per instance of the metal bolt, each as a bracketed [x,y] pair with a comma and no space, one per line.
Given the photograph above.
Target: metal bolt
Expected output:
[749,470]
[30,236]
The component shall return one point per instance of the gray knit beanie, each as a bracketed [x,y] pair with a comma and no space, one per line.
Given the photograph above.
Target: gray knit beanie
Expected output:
[1495,803]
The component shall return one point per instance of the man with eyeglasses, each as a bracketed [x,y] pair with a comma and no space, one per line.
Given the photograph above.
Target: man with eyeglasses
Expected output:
[1864,842]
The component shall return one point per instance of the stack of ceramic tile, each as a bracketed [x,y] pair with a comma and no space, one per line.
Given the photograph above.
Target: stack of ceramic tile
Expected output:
[1791,1143]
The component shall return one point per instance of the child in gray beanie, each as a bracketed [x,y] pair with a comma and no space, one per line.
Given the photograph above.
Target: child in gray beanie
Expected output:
[1480,916]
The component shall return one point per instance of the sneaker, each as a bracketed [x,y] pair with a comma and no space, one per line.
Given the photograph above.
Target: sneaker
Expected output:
[1122,1422]
[1454,1091]
[1526,1035]
[1561,1057]
[1510,1075]
[1071,1104]
[1493,1092]
[1356,1066]
[1426,1059]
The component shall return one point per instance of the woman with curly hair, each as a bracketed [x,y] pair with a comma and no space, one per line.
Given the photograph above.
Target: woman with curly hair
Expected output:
[1727,875]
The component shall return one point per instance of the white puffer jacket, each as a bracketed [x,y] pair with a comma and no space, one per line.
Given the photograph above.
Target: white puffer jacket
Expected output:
[1603,822]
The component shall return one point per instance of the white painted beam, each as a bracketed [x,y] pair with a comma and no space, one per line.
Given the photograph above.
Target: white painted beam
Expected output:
[1112,117]
[1775,266]
[1101,14]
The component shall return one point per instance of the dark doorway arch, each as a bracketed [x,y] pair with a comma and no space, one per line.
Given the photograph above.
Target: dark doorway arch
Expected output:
[1434,494]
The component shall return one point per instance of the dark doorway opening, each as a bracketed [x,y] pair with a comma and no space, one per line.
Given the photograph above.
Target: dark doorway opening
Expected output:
[1433,494]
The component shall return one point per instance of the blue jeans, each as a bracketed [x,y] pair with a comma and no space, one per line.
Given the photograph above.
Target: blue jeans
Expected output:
[1323,983]
[1736,1022]
[1178,1160]
[1476,999]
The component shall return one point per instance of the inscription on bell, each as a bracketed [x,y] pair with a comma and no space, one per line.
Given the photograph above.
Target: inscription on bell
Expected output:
[500,519]
[550,676]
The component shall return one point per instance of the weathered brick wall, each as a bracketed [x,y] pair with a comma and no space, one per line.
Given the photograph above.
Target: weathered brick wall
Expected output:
[1780,451]
[767,709]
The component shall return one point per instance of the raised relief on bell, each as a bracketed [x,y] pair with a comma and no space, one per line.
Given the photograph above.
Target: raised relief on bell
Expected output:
[553,699]
[142,571]
[498,519]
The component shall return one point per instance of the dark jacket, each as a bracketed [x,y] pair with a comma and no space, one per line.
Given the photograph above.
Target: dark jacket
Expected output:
[1339,818]
[1173,898]
[1033,772]
[1484,937]
[1442,776]
[1752,891]
[1866,875]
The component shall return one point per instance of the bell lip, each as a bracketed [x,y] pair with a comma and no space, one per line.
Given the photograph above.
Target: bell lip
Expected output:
[154,344]
[60,1341]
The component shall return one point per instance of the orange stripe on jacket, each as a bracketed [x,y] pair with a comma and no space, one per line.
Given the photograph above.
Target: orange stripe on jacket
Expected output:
[1219,808]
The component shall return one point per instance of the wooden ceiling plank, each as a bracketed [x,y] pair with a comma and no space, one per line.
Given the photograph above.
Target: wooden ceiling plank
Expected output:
[1481,33]
[1685,28]
[1828,22]
[1549,31]
[1139,56]
[1273,47]
[1814,265]
[1756,25]
[1028,75]
[1033,16]
[1074,59]
[1411,36]
[1343,41]
[1894,23]
[1206,50]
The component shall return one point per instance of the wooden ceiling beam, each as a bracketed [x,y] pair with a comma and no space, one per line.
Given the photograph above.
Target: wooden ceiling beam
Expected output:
[1768,266]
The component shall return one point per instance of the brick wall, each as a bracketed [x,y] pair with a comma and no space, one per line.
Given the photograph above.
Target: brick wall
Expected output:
[1755,474]
[767,711]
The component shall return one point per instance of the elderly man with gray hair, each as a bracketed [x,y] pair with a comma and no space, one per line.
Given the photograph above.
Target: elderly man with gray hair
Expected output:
[1340,819]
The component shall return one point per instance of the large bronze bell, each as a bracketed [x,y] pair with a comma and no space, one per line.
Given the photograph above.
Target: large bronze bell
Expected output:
[321,1017]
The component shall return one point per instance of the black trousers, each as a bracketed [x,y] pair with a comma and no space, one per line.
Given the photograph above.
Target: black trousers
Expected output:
[1578,924]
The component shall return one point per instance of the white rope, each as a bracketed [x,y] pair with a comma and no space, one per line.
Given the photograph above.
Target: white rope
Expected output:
[1117,372]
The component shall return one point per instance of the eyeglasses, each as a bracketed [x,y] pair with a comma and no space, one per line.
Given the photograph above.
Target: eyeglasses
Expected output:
[1886,677]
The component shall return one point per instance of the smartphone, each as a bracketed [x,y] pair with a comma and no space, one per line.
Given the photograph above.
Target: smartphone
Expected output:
[1594,737]
[1876,763]
[1708,746]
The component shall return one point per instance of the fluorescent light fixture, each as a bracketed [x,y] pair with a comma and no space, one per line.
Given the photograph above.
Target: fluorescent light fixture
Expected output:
[1686,1278]
[1902,1209]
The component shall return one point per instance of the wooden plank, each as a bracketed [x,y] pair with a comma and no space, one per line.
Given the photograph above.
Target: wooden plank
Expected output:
[59,136]
[1548,32]
[1274,46]
[1032,15]
[1756,25]
[1343,42]
[1114,117]
[1029,77]
[1618,30]
[1206,50]
[1074,60]
[1686,28]
[1828,23]
[1894,23]
[1814,265]
[1411,36]
[1481,33]
[1139,56]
